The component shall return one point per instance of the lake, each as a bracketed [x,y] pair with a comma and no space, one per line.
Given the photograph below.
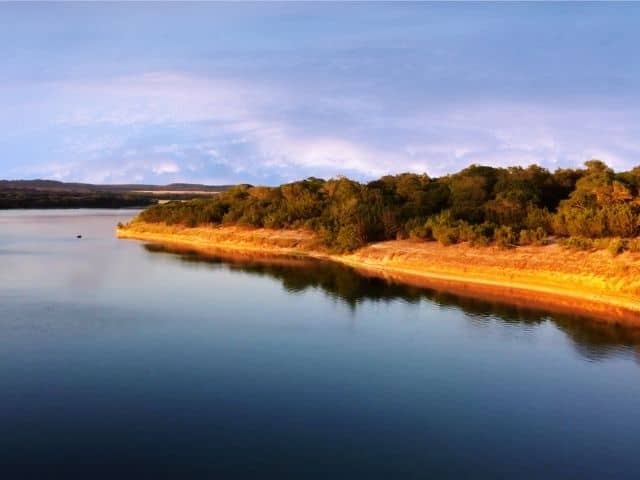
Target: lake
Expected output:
[125,360]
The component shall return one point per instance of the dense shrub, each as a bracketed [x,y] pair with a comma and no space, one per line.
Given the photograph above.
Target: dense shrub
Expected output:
[505,237]
[578,243]
[532,237]
[482,234]
[444,228]
[418,229]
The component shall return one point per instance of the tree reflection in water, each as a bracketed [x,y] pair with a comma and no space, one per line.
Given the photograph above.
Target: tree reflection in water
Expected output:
[594,339]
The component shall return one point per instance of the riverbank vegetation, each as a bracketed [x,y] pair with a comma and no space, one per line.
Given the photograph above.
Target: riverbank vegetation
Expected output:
[480,205]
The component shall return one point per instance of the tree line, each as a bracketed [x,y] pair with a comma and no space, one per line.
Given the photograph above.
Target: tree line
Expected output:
[480,204]
[31,198]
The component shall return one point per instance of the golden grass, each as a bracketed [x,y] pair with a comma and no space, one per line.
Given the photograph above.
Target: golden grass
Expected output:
[590,281]
[235,238]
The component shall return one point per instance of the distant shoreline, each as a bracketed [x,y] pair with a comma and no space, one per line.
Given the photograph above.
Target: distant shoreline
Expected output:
[593,283]
[51,194]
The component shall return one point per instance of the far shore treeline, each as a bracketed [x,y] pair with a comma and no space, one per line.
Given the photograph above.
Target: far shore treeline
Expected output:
[53,194]
[480,204]
[32,198]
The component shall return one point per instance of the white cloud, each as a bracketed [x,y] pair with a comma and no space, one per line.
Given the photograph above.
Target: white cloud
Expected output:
[180,127]
[165,167]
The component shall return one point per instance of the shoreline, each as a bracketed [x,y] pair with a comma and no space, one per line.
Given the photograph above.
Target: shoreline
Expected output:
[593,283]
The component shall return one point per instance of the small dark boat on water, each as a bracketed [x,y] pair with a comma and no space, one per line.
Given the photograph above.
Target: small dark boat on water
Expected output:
[78,236]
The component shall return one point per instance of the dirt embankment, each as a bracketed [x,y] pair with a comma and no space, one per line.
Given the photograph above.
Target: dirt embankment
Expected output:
[595,282]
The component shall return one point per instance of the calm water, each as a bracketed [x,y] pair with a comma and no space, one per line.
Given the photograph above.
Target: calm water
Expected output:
[122,360]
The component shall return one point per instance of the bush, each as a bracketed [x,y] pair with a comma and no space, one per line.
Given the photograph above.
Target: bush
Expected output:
[480,239]
[446,235]
[476,235]
[418,230]
[538,218]
[616,246]
[348,239]
[622,221]
[532,237]
[444,228]
[505,237]
[578,243]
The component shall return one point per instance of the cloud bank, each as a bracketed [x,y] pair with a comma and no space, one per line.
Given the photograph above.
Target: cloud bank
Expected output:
[377,97]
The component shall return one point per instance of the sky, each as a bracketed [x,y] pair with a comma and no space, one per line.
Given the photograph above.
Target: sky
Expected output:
[266,93]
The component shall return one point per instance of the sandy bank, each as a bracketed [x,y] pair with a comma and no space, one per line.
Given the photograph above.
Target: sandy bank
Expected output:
[593,282]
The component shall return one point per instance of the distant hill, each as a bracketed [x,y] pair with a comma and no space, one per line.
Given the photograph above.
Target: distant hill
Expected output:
[56,186]
[54,194]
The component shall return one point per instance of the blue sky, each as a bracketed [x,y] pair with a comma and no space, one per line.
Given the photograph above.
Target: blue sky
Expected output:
[268,93]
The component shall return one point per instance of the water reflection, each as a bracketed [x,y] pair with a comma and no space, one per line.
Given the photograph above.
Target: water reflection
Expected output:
[593,338]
